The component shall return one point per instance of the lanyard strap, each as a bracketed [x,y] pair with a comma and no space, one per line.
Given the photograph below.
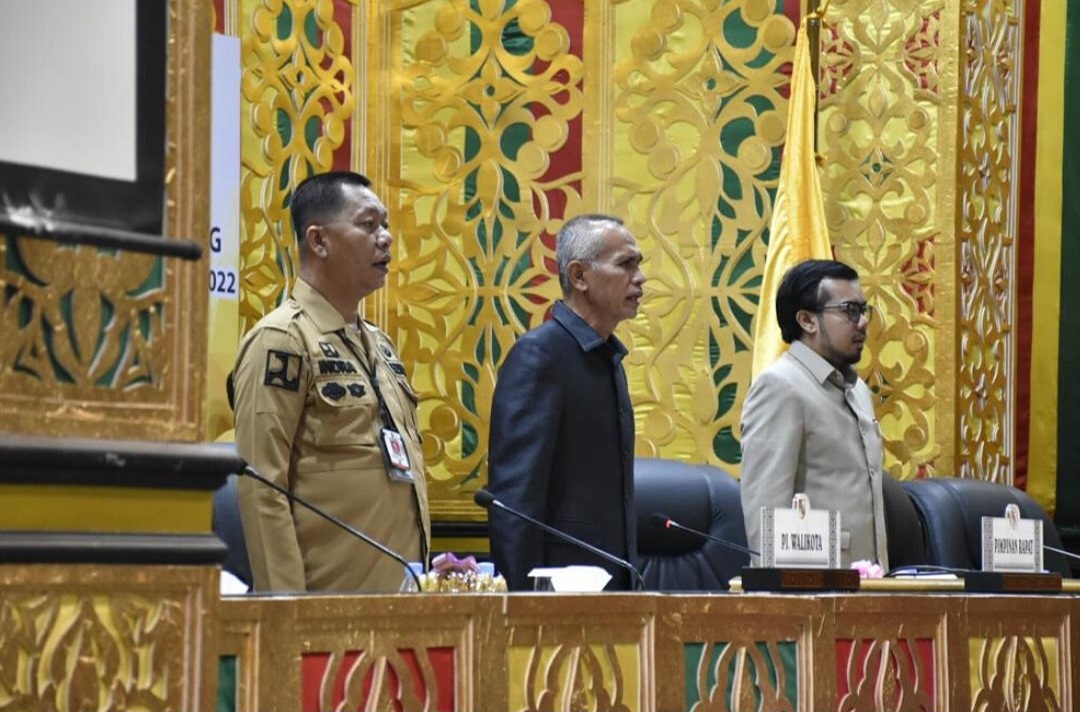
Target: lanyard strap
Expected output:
[370,370]
[388,421]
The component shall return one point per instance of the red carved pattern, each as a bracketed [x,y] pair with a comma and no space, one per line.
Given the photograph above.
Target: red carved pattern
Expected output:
[885,674]
[565,161]
[408,679]
[917,276]
[921,52]
[838,60]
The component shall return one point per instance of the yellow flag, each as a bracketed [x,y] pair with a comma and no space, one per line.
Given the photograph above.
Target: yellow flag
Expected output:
[798,230]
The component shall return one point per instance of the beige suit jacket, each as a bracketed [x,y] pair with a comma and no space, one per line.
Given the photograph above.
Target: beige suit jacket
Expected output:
[808,428]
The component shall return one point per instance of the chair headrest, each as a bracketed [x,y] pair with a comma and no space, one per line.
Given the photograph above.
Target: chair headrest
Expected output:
[677,490]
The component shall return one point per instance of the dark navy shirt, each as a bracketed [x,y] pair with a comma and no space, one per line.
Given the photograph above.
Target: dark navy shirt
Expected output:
[562,450]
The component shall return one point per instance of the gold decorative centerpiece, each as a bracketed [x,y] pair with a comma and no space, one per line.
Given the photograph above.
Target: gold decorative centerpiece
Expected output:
[449,574]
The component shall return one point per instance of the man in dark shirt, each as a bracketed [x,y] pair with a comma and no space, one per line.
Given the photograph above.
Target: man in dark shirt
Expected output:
[562,427]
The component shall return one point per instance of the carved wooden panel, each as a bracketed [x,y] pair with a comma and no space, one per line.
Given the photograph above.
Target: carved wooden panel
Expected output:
[104,344]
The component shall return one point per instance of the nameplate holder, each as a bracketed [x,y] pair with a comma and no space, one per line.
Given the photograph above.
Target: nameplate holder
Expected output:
[800,537]
[1011,544]
[799,580]
[1005,582]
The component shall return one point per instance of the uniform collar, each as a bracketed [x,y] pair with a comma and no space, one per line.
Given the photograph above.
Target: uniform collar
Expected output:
[321,311]
[584,334]
[821,369]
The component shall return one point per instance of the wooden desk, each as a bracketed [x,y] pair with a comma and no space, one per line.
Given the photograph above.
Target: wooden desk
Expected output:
[894,649]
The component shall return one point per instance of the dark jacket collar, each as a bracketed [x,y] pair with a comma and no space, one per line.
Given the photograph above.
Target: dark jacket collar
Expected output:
[584,334]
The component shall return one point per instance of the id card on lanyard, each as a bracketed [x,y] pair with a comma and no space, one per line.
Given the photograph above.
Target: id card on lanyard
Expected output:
[392,444]
[396,455]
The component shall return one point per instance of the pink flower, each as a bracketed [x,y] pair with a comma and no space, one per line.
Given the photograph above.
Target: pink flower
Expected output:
[868,569]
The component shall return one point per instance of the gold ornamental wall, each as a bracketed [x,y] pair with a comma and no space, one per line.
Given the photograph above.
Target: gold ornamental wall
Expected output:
[988,205]
[921,144]
[485,123]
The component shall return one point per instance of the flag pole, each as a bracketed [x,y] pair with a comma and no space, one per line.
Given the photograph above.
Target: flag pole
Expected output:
[813,35]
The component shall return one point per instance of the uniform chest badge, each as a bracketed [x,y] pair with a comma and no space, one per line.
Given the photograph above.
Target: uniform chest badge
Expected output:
[392,359]
[386,351]
[334,391]
[357,390]
[328,349]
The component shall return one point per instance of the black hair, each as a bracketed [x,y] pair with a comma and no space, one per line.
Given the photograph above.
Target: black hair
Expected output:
[319,198]
[801,289]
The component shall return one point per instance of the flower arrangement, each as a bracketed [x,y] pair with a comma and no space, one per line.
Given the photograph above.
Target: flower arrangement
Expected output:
[868,569]
[449,574]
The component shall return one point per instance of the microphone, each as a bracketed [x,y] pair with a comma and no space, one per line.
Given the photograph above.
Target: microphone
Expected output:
[252,473]
[663,520]
[487,500]
[28,223]
[1061,551]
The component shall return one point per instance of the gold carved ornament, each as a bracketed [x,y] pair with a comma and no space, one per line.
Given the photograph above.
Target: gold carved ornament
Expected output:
[989,167]
[883,117]
[297,88]
[696,125]
[487,93]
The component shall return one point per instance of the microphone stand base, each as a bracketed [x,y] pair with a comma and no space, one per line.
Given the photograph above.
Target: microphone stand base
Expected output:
[799,580]
[1007,582]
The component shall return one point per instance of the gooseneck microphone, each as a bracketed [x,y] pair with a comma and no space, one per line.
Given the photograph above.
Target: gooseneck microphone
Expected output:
[666,522]
[253,474]
[487,500]
[1056,550]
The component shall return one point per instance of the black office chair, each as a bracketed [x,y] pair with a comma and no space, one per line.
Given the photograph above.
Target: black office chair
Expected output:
[227,526]
[903,526]
[701,497]
[952,509]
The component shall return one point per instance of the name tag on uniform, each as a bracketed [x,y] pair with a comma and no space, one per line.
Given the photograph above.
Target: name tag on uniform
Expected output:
[397,457]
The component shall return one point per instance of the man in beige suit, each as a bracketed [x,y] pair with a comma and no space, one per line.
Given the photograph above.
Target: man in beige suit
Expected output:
[324,408]
[808,422]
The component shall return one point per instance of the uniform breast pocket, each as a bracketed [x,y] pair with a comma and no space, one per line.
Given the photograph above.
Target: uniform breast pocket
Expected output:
[346,413]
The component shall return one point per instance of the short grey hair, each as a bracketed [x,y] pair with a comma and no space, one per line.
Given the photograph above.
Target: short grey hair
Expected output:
[579,241]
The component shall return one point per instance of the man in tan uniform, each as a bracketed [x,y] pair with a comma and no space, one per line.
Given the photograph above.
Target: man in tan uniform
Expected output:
[324,408]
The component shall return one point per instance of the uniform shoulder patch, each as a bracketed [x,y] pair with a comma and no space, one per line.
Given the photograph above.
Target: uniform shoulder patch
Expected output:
[282,370]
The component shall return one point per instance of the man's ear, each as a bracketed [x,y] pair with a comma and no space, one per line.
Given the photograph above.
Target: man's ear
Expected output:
[807,320]
[316,241]
[576,271]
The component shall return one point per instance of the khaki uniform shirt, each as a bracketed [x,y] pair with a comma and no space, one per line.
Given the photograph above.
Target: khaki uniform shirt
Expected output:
[307,418]
[807,427]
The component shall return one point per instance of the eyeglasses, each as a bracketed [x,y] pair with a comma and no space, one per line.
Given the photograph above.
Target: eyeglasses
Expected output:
[852,310]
